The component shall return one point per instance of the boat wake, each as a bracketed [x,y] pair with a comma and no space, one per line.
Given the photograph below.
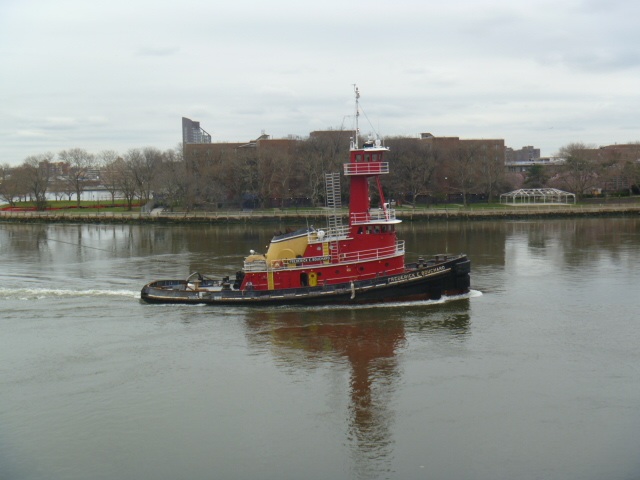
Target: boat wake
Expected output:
[44,293]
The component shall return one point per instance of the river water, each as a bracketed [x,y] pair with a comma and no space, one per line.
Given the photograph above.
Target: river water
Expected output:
[534,375]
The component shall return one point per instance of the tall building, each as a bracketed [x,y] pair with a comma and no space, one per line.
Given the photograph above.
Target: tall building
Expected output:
[192,133]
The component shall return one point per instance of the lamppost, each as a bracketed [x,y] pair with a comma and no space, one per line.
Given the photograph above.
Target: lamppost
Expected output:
[446,190]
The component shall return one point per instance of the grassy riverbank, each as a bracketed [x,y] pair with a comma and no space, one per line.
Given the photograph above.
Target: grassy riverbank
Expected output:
[92,212]
[72,205]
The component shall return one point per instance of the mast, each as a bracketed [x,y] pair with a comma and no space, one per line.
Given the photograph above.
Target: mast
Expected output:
[354,140]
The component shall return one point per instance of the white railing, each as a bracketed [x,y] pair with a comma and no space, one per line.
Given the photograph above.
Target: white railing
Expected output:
[302,263]
[366,168]
[328,234]
[255,266]
[377,215]
[373,254]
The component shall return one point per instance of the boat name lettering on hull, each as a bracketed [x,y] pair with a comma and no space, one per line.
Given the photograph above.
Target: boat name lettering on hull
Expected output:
[308,259]
[419,274]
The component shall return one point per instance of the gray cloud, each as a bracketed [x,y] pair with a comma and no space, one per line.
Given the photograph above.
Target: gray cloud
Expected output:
[119,75]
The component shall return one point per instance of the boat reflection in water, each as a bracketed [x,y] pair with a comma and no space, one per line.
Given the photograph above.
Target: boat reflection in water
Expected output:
[368,341]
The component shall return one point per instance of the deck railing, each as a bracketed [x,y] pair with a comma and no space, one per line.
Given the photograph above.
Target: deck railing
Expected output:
[255,266]
[372,254]
[335,257]
[377,215]
[366,168]
[328,234]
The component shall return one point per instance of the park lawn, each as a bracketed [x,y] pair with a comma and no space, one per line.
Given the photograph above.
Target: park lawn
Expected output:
[85,206]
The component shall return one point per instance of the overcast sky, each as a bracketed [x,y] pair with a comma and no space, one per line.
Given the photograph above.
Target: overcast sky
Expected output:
[121,74]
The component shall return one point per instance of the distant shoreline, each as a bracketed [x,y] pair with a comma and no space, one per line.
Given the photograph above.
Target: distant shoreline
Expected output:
[292,216]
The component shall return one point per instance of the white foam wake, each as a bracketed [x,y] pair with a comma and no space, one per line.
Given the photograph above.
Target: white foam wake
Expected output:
[41,293]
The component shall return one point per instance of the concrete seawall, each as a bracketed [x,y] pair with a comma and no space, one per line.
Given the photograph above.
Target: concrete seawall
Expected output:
[302,216]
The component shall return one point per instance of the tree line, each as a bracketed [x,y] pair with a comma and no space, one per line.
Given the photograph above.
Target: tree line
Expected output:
[292,173]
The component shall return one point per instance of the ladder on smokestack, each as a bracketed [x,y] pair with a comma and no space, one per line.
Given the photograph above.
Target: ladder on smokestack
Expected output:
[334,204]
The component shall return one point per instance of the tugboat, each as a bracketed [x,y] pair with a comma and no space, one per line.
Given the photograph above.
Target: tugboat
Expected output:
[361,262]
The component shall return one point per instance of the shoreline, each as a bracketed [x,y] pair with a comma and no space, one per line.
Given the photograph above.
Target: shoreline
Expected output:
[286,216]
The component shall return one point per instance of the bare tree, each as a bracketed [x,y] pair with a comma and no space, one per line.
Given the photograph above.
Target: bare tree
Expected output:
[631,167]
[491,169]
[463,169]
[172,181]
[285,179]
[60,187]
[314,163]
[143,164]
[318,155]
[579,173]
[80,162]
[12,184]
[276,169]
[632,172]
[109,172]
[612,176]
[268,176]
[210,177]
[414,165]
[136,169]
[123,177]
[243,177]
[37,169]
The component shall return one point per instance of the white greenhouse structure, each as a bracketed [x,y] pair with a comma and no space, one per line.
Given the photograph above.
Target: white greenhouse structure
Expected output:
[545,196]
